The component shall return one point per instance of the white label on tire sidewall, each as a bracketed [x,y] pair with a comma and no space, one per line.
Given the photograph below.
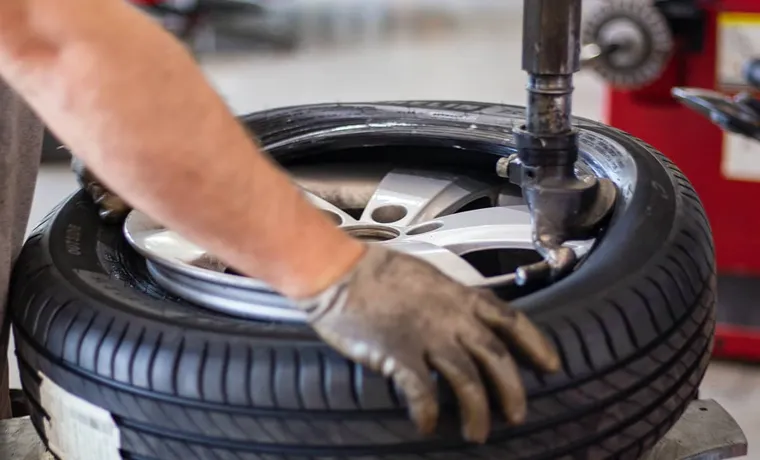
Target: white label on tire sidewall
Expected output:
[77,429]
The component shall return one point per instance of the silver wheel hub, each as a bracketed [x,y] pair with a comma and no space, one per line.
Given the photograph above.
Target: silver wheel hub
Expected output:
[440,217]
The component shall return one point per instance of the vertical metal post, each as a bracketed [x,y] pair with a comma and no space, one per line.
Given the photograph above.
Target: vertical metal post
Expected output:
[551,55]
[561,205]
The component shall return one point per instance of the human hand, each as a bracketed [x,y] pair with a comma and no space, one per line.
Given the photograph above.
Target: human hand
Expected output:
[111,207]
[400,316]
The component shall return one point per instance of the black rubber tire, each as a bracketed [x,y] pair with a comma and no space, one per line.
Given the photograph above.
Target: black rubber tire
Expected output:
[634,325]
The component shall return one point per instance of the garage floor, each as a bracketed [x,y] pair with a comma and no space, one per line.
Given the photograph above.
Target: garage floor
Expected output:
[472,56]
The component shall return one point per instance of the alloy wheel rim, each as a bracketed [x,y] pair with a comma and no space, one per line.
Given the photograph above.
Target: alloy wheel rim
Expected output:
[430,214]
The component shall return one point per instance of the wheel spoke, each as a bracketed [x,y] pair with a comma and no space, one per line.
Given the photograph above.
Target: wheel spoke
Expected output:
[409,197]
[504,227]
[443,259]
[339,216]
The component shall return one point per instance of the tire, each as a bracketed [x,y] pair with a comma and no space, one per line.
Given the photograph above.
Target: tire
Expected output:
[634,324]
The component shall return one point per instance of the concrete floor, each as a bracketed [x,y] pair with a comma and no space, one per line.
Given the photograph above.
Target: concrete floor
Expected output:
[476,58]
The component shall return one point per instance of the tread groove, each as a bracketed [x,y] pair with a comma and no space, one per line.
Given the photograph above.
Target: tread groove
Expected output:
[561,350]
[80,342]
[133,355]
[393,392]
[118,345]
[627,323]
[152,360]
[67,329]
[102,339]
[175,366]
[247,378]
[680,265]
[703,229]
[202,371]
[323,380]
[273,376]
[676,284]
[353,390]
[57,311]
[224,376]
[584,346]
[693,261]
[42,307]
[297,384]
[27,310]
[652,317]
[665,300]
[606,332]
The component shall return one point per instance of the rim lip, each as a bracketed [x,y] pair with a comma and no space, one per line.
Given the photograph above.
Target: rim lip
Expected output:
[196,278]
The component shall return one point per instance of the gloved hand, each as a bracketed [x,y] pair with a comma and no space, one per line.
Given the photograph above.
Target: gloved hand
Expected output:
[111,208]
[401,316]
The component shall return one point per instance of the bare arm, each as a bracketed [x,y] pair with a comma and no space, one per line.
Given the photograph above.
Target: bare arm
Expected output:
[130,101]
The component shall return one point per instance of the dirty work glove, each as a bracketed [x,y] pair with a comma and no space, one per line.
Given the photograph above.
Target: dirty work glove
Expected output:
[402,317]
[111,208]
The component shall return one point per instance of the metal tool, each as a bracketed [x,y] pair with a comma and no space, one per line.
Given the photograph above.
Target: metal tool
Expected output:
[563,206]
[738,114]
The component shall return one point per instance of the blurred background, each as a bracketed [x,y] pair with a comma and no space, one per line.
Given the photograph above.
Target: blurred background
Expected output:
[285,52]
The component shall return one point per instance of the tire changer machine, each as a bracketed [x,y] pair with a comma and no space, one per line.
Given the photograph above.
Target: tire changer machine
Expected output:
[643,50]
[673,67]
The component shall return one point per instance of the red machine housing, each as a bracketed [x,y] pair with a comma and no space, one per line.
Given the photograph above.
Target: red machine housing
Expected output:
[697,147]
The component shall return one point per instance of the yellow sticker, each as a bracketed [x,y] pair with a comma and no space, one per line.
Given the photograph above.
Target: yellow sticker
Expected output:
[738,42]
[741,19]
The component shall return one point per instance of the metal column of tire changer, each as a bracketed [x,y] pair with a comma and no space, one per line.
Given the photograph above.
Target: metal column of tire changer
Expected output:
[562,205]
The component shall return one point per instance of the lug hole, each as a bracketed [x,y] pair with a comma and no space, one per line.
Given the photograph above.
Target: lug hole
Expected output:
[334,217]
[424,228]
[389,213]
[372,233]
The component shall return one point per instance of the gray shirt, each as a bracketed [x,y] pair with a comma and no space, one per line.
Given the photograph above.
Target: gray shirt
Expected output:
[20,147]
